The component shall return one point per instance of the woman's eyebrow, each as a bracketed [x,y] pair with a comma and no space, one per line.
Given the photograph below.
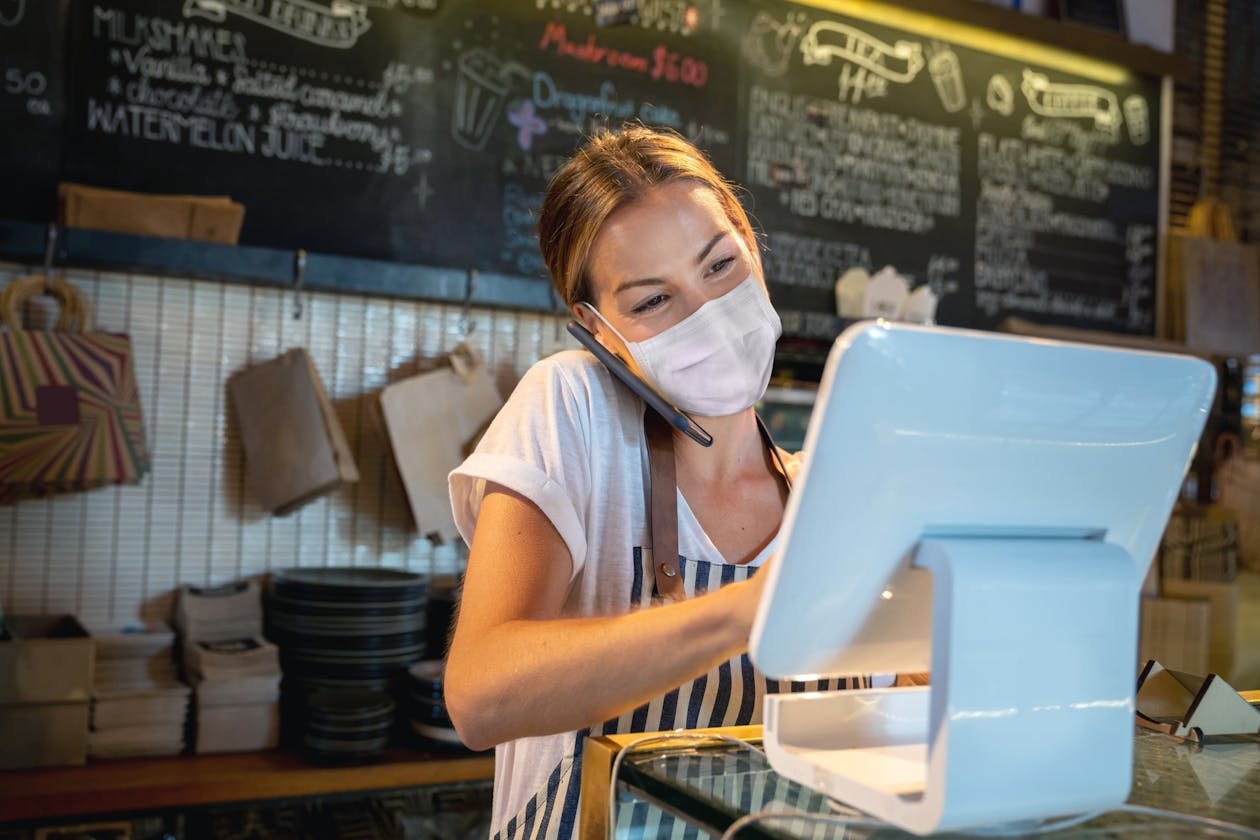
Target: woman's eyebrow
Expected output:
[709,247]
[632,284]
[652,281]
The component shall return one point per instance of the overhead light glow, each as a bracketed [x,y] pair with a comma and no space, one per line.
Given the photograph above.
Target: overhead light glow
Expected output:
[976,37]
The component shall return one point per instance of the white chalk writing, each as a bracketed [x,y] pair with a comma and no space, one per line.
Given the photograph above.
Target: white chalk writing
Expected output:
[1044,244]
[338,25]
[811,262]
[851,164]
[1055,99]
[1139,257]
[805,324]
[31,85]
[828,39]
[179,38]
[194,84]
[519,247]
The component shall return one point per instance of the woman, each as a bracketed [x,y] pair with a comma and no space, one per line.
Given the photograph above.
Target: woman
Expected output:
[653,253]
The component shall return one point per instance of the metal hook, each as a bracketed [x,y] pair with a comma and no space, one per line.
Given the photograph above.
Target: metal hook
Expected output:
[50,250]
[466,323]
[299,270]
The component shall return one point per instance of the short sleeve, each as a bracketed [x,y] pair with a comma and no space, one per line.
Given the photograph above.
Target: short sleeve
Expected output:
[538,445]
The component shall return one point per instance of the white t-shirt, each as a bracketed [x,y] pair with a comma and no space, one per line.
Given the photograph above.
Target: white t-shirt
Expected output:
[571,440]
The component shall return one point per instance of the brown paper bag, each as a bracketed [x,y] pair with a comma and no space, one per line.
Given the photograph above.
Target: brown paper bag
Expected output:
[1238,478]
[432,418]
[1214,294]
[295,449]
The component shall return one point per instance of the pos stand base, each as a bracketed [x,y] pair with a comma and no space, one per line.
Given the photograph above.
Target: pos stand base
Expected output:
[1030,710]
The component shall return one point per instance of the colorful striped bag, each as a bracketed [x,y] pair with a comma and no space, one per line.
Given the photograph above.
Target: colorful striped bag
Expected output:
[69,407]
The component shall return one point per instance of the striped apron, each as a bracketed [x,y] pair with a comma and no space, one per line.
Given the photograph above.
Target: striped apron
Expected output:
[729,695]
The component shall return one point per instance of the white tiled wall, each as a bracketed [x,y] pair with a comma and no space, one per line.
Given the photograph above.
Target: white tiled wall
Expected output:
[113,556]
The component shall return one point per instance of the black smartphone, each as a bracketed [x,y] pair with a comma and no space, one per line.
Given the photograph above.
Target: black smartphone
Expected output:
[676,417]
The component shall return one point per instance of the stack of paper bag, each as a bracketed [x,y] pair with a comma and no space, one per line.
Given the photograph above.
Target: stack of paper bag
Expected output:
[237,686]
[209,218]
[139,705]
[235,673]
[220,613]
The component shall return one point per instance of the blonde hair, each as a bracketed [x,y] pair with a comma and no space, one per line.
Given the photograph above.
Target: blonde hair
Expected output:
[612,170]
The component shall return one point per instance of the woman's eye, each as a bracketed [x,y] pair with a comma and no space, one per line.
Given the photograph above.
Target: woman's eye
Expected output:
[649,304]
[721,265]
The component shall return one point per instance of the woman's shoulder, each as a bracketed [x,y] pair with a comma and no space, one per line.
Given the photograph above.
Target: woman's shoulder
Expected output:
[575,373]
[573,389]
[578,365]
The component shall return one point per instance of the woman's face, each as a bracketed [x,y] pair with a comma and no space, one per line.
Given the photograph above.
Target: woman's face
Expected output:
[658,260]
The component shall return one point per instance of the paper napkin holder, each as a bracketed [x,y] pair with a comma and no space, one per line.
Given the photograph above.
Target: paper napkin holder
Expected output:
[1192,707]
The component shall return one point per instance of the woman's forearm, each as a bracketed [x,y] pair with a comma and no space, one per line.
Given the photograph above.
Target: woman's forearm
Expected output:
[534,677]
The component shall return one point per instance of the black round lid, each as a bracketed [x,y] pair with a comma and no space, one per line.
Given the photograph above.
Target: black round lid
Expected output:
[351,576]
[350,702]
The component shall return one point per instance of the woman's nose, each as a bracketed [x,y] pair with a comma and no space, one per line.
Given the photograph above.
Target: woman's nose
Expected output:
[694,298]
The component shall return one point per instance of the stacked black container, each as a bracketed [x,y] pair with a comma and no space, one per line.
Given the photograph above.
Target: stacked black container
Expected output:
[347,637]
[343,724]
[423,705]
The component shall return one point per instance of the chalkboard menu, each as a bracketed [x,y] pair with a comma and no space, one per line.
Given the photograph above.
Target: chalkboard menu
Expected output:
[1011,189]
[425,131]
[320,119]
[32,104]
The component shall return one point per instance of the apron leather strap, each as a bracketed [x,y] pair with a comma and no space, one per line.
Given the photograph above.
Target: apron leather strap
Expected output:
[663,495]
[664,506]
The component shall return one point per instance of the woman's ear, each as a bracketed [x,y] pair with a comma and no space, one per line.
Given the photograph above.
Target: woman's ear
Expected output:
[582,313]
[605,335]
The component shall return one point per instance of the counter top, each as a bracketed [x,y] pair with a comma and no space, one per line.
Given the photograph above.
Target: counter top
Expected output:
[717,784]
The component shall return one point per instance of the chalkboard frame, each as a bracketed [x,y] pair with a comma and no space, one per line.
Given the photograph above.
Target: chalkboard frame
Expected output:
[24,242]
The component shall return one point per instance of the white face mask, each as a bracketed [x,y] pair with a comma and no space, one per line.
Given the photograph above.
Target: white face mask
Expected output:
[717,360]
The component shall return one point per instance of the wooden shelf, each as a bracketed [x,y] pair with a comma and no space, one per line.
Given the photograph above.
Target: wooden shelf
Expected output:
[129,785]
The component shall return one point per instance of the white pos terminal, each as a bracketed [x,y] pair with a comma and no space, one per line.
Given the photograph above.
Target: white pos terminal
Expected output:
[983,507]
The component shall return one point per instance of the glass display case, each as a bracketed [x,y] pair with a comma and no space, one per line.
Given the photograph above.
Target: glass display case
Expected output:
[688,790]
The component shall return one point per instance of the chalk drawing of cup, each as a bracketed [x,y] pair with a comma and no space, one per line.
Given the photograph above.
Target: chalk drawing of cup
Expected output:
[481,88]
[1137,117]
[769,43]
[947,75]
